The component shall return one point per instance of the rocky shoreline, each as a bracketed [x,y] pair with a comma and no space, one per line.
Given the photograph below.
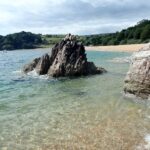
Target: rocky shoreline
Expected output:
[68,58]
[137,81]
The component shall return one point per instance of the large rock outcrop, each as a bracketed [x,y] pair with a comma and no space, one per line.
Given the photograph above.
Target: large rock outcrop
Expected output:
[137,81]
[67,58]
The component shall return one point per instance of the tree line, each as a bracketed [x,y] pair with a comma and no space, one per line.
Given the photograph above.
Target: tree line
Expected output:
[22,40]
[140,33]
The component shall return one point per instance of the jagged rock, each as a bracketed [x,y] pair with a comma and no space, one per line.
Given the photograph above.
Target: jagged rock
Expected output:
[137,81]
[43,65]
[67,58]
[29,67]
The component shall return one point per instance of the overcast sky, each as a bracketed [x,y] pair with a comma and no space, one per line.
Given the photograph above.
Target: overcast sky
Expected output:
[71,16]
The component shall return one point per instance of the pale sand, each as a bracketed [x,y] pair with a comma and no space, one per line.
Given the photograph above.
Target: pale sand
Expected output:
[119,48]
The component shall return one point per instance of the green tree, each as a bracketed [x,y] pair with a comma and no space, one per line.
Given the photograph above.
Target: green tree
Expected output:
[120,36]
[145,33]
[137,33]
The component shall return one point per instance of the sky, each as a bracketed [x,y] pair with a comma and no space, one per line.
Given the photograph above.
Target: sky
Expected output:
[71,16]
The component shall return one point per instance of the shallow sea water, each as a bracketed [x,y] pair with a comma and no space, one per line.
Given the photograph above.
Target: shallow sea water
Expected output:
[37,113]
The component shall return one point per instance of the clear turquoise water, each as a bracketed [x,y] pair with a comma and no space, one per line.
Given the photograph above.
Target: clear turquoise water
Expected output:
[36,112]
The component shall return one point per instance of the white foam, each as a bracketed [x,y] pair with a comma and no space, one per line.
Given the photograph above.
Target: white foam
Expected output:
[147,140]
[148,117]
[147,143]
[32,74]
[35,75]
[121,60]
[17,72]
[141,54]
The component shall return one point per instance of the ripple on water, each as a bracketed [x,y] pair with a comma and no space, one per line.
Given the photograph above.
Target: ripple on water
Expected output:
[38,112]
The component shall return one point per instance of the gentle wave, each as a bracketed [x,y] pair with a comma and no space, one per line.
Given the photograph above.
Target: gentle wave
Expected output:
[17,72]
[35,75]
[32,74]
[120,60]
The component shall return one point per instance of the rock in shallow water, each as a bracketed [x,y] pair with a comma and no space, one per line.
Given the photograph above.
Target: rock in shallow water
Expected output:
[67,58]
[137,81]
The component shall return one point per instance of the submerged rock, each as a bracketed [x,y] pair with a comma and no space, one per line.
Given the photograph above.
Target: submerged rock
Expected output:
[137,81]
[67,58]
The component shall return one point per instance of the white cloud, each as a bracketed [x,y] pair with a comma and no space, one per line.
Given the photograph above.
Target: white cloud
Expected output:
[76,16]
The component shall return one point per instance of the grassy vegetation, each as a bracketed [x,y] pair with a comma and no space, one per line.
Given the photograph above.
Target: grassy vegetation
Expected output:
[49,40]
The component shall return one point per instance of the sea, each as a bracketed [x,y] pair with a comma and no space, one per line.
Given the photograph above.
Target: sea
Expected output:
[87,113]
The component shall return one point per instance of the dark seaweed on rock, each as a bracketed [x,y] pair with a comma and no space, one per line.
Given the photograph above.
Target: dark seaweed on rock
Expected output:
[67,58]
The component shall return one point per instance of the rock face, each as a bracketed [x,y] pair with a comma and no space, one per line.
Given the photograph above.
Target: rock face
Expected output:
[137,81]
[67,58]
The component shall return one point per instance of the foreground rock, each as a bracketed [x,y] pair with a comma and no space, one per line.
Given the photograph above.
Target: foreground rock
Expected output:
[137,81]
[67,58]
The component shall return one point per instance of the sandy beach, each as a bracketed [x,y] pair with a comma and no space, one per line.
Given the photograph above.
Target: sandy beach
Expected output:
[119,48]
